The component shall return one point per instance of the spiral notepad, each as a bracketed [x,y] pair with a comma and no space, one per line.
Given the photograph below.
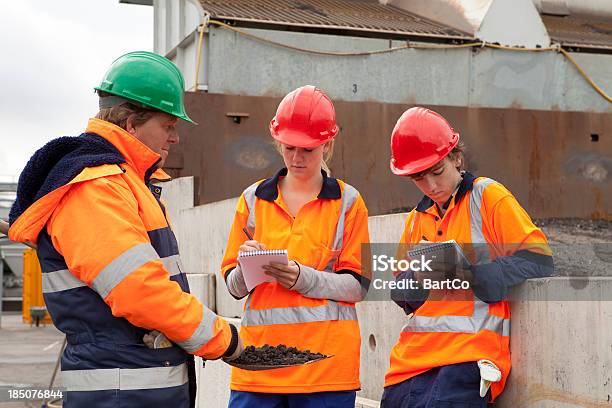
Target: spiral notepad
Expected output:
[252,264]
[447,252]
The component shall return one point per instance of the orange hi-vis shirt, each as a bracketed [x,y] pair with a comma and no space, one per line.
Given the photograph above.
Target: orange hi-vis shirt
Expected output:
[455,326]
[111,272]
[326,234]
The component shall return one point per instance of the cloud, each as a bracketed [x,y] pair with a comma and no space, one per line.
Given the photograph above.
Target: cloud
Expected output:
[54,54]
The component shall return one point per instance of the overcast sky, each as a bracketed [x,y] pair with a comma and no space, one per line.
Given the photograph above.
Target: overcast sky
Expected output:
[53,54]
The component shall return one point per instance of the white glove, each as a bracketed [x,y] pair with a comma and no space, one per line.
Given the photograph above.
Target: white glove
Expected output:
[155,339]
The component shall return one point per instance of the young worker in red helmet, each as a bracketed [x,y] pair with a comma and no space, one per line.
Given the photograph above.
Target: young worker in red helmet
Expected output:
[454,337]
[310,304]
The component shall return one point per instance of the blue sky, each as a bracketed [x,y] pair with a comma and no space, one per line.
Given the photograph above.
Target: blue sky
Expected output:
[54,53]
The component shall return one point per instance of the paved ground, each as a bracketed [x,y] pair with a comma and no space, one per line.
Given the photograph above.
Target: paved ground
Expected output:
[27,355]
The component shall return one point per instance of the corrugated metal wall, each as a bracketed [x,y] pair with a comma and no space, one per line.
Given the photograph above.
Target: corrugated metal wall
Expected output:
[558,164]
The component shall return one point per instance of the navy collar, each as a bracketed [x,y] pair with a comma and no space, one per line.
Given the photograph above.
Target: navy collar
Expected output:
[464,187]
[268,189]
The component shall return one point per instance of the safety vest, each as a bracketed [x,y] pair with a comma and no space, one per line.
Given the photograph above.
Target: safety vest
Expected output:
[111,271]
[458,326]
[273,315]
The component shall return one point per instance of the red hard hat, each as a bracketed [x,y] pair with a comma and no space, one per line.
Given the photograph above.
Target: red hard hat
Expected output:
[420,139]
[304,118]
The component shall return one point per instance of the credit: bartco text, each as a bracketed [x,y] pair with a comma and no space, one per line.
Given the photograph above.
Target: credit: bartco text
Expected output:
[424,284]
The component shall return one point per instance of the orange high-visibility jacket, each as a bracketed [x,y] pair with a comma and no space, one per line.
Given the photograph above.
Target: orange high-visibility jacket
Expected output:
[112,272]
[457,326]
[326,235]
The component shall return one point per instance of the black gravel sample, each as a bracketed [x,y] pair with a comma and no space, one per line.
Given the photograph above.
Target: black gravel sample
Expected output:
[276,356]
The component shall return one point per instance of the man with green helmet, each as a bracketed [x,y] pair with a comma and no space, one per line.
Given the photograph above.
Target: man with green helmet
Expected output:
[111,269]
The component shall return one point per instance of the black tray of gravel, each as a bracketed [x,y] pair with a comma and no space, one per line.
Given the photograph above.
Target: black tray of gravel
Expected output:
[270,357]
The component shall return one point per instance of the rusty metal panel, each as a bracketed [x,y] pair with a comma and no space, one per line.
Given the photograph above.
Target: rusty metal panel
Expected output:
[557,164]
[573,31]
[348,15]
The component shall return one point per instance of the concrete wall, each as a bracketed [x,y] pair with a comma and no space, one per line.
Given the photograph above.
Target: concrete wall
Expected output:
[561,344]
[487,78]
[204,243]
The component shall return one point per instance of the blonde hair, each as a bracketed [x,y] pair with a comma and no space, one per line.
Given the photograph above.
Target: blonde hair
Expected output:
[327,156]
[119,114]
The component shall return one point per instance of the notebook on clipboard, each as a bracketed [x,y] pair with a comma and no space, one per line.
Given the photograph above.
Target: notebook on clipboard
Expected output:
[252,264]
[448,252]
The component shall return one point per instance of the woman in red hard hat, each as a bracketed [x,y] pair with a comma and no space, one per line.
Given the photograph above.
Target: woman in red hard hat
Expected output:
[310,304]
[454,336]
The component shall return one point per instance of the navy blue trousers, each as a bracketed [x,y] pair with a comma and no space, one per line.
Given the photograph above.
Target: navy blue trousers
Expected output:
[451,386]
[332,399]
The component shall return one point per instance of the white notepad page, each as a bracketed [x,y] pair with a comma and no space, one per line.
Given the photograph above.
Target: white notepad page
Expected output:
[252,264]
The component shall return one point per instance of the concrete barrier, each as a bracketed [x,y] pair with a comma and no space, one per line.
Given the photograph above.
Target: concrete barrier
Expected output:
[203,286]
[561,348]
[202,235]
[213,381]
[177,195]
[386,228]
[366,403]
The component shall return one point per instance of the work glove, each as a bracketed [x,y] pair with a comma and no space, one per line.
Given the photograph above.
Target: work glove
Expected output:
[408,299]
[155,339]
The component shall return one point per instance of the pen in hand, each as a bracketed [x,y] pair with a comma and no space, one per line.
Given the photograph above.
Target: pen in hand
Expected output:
[247,233]
[259,246]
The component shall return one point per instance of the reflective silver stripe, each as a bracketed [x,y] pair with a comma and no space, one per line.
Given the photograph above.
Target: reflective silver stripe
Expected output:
[416,214]
[124,378]
[249,197]
[60,280]
[349,196]
[481,309]
[202,334]
[301,314]
[172,264]
[458,324]
[63,279]
[122,266]
[506,328]
[494,323]
[477,234]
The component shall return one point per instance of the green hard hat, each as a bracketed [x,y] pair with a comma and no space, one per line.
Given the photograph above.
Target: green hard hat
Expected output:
[147,78]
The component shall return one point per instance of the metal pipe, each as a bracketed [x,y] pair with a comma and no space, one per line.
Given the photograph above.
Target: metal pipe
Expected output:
[599,9]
